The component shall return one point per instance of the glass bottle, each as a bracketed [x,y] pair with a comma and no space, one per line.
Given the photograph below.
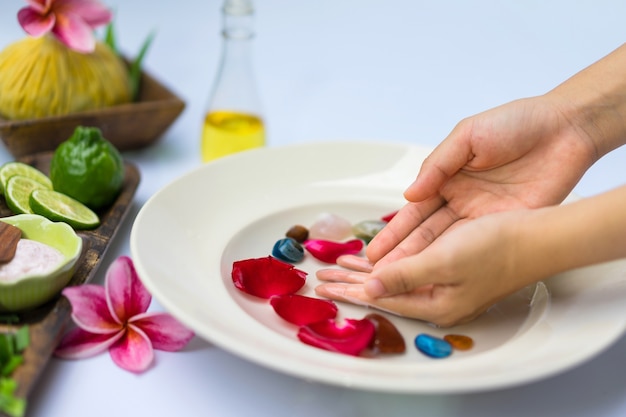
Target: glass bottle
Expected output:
[233,120]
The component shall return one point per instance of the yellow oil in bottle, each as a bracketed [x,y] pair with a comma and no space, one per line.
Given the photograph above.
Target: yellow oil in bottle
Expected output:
[227,132]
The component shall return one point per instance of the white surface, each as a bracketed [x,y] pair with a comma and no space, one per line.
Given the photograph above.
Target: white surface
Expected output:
[201,240]
[382,69]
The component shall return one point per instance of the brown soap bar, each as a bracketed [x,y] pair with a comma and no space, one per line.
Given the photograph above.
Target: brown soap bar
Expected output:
[9,236]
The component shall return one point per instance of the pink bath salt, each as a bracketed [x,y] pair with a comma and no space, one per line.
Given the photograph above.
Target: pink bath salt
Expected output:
[331,227]
[31,258]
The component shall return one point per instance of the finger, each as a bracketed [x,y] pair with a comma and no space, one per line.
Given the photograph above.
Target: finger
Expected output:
[452,154]
[354,262]
[408,219]
[408,274]
[422,236]
[350,293]
[418,305]
[341,275]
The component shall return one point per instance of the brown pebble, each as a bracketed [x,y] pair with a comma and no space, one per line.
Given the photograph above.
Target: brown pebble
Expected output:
[9,236]
[387,338]
[298,233]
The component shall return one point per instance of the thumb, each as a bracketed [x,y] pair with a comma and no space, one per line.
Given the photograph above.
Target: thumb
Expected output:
[444,161]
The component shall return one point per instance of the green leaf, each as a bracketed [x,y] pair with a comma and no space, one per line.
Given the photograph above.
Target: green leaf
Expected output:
[109,37]
[22,339]
[15,407]
[11,405]
[135,66]
[9,366]
[6,347]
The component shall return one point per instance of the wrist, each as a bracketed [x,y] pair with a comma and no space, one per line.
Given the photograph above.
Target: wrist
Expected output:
[559,238]
[594,102]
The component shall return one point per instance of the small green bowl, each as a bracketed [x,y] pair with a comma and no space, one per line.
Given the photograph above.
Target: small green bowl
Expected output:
[33,290]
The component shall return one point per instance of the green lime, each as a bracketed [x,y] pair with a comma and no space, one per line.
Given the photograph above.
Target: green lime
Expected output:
[62,208]
[17,193]
[11,169]
[88,168]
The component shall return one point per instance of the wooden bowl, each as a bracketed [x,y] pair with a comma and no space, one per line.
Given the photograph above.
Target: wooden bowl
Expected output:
[128,126]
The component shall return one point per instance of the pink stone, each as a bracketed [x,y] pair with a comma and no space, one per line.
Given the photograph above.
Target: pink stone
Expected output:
[331,227]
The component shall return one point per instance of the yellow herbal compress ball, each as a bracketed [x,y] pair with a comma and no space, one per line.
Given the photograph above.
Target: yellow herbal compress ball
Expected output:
[41,77]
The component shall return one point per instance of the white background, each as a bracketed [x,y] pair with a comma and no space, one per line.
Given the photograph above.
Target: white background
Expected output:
[399,70]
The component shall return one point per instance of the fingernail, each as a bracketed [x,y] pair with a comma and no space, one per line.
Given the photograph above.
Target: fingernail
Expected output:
[374,288]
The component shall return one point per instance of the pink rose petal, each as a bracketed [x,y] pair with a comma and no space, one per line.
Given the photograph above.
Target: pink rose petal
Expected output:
[301,310]
[133,352]
[266,277]
[89,309]
[387,218]
[352,337]
[78,344]
[163,330]
[328,251]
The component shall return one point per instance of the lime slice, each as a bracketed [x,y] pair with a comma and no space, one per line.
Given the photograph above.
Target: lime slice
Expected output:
[62,208]
[17,193]
[11,169]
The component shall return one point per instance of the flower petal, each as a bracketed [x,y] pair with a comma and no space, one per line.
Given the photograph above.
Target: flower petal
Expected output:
[34,23]
[265,277]
[328,251]
[89,309]
[133,352]
[40,6]
[91,12]
[163,330]
[301,310]
[351,338]
[74,32]
[78,344]
[387,217]
[125,294]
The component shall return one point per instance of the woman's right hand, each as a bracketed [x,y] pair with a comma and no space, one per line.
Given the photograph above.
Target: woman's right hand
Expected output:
[524,154]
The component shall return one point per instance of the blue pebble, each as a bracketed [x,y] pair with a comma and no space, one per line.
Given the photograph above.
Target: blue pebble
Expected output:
[433,346]
[288,250]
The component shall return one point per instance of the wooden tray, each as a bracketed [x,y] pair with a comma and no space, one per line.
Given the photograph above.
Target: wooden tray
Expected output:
[127,126]
[48,323]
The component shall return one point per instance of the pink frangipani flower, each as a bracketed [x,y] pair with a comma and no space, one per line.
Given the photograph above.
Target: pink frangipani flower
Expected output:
[71,21]
[114,317]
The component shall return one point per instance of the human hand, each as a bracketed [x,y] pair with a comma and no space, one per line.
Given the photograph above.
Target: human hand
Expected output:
[524,154]
[453,280]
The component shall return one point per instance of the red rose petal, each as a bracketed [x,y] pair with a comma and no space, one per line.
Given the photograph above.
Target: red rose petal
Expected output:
[352,337]
[387,218]
[302,310]
[328,251]
[267,277]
